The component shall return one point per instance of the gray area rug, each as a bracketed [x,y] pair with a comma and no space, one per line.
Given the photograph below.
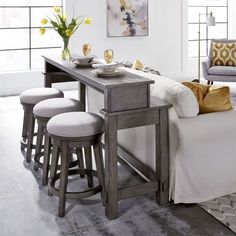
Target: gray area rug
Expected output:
[223,209]
[26,209]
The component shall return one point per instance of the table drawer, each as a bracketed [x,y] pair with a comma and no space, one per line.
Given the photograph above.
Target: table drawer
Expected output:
[126,98]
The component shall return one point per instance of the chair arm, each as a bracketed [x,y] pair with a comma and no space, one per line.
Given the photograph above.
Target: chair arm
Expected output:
[205,67]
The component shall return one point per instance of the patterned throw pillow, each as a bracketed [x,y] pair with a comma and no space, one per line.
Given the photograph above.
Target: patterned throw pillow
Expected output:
[223,54]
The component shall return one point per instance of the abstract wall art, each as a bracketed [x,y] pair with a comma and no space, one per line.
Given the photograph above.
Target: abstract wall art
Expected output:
[127,18]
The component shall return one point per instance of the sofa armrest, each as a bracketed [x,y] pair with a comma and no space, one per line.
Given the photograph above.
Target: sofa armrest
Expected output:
[205,67]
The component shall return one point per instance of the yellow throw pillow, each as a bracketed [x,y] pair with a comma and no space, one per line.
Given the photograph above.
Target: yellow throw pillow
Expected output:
[138,65]
[223,54]
[210,98]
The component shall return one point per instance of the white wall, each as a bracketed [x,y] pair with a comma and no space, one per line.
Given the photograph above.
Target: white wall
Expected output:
[161,49]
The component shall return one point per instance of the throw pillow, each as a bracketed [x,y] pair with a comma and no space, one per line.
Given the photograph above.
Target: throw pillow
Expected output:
[223,54]
[138,65]
[210,98]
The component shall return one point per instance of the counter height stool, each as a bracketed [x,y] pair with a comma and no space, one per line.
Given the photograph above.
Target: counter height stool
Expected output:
[43,111]
[75,130]
[28,100]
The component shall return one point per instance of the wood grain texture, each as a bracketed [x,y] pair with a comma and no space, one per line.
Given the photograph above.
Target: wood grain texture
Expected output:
[162,158]
[46,159]
[89,164]
[87,77]
[137,119]
[126,98]
[31,125]
[111,172]
[54,163]
[63,179]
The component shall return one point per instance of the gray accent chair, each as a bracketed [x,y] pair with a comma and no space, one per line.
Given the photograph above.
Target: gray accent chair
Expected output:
[218,73]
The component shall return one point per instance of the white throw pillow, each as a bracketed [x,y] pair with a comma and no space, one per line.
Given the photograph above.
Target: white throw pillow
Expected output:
[182,98]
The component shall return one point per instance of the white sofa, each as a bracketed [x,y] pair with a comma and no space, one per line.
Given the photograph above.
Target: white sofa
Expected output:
[202,149]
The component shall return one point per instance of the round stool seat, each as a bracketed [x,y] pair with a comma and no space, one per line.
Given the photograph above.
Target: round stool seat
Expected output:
[55,106]
[75,124]
[35,95]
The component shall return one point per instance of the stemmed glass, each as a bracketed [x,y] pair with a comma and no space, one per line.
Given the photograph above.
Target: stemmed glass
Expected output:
[108,55]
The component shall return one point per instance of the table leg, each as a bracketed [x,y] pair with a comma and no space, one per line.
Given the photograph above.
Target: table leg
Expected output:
[162,158]
[82,94]
[47,81]
[111,171]
[47,77]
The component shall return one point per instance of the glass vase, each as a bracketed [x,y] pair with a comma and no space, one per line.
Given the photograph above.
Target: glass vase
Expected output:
[66,52]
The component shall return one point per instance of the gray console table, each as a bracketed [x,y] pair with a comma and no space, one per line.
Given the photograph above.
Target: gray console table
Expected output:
[127,104]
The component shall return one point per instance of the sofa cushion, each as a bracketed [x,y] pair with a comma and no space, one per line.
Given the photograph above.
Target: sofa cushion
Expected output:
[182,98]
[223,54]
[222,70]
[211,98]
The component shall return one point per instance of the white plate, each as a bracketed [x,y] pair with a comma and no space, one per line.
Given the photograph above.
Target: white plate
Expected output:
[102,73]
[107,66]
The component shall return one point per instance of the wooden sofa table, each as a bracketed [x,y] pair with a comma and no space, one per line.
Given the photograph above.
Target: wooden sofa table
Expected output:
[127,104]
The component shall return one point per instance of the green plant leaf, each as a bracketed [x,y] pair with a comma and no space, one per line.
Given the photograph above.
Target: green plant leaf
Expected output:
[63,22]
[54,24]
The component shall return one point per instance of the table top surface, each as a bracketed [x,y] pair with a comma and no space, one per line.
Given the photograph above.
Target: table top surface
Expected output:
[87,76]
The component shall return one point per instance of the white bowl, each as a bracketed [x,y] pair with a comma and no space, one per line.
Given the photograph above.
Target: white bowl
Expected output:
[83,60]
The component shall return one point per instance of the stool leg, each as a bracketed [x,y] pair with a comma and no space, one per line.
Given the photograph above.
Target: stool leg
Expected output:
[79,153]
[46,159]
[54,163]
[30,136]
[63,179]
[39,142]
[89,165]
[100,168]
[25,127]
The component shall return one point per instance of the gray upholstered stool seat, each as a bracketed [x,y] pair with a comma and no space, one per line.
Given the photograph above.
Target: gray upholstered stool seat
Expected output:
[35,95]
[43,111]
[77,130]
[55,106]
[28,99]
[75,124]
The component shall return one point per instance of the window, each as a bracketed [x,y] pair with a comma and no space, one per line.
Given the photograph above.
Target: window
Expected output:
[220,11]
[21,44]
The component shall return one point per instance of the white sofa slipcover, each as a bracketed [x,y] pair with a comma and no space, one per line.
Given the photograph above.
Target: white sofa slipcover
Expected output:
[202,152]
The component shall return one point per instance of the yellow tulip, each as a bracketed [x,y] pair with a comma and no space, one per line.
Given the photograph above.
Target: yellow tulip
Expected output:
[44,21]
[42,31]
[69,32]
[57,10]
[64,17]
[87,20]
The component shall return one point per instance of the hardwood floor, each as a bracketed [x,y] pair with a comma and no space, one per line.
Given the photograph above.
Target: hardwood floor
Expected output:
[26,209]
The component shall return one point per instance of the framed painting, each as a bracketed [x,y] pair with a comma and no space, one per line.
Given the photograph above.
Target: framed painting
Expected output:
[127,18]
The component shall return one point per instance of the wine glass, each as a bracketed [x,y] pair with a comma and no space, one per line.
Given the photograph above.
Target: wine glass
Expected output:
[108,55]
[86,50]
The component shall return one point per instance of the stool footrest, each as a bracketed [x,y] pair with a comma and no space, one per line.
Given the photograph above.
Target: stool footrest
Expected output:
[75,195]
[24,144]
[39,164]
